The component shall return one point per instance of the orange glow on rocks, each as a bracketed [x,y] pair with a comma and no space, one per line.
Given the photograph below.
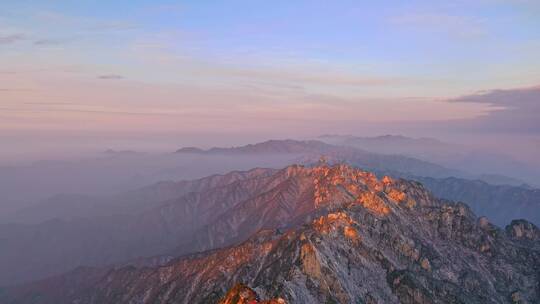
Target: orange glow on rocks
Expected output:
[374,203]
[351,233]
[242,294]
[334,223]
[342,184]
[387,180]
[310,263]
[396,195]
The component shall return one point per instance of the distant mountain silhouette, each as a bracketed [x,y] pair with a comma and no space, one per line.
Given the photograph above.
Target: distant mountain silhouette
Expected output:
[484,164]
[311,150]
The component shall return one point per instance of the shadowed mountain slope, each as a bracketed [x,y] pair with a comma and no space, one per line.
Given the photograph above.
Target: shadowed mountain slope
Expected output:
[498,202]
[149,228]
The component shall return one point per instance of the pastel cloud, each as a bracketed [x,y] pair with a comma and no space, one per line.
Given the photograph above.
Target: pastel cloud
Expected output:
[110,76]
[50,42]
[513,110]
[454,25]
[11,38]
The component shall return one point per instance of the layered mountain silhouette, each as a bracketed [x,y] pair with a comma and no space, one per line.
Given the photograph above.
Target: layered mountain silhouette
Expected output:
[501,203]
[311,150]
[392,144]
[486,164]
[322,234]
[272,154]
[498,202]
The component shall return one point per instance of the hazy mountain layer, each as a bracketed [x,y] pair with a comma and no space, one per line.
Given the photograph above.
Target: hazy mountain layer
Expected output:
[86,187]
[32,251]
[499,203]
[120,172]
[312,150]
[24,186]
[487,165]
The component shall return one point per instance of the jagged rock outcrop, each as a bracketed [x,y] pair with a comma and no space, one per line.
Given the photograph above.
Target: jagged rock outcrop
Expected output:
[328,235]
[241,294]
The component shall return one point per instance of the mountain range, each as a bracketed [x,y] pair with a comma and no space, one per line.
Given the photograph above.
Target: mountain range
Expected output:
[174,218]
[310,234]
[311,150]
[483,163]
[487,198]
[500,202]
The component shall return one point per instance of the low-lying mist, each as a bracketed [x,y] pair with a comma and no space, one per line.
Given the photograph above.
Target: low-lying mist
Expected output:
[111,172]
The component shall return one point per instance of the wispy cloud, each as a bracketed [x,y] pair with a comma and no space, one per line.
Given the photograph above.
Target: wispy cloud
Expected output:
[454,25]
[51,42]
[83,23]
[11,38]
[83,111]
[513,110]
[291,75]
[110,76]
[112,26]
[508,97]
[308,77]
[14,90]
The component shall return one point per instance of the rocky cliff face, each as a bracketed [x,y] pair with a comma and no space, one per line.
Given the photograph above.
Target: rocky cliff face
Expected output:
[242,294]
[326,235]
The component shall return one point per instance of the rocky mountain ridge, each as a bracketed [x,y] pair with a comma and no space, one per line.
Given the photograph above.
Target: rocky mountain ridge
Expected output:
[327,234]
